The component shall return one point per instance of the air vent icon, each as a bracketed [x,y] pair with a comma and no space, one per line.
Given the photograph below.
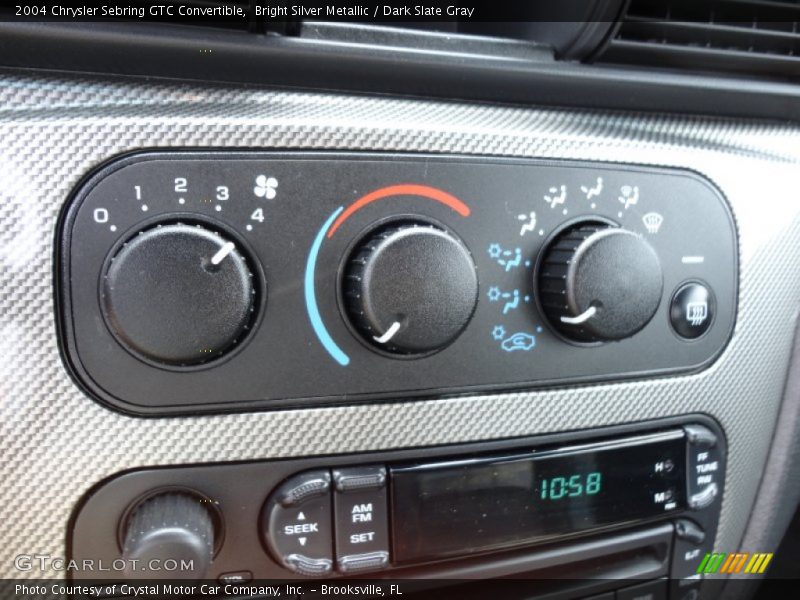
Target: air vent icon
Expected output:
[652,221]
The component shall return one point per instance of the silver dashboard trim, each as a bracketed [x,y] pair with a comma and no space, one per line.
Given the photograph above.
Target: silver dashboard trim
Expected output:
[56,443]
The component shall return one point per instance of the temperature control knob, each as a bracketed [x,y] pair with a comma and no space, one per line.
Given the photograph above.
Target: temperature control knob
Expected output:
[597,282]
[178,294]
[410,288]
[171,526]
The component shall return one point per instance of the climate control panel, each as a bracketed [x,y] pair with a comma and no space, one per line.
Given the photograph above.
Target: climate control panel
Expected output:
[219,280]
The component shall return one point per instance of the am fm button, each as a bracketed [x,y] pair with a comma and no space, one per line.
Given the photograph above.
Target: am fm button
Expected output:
[362,522]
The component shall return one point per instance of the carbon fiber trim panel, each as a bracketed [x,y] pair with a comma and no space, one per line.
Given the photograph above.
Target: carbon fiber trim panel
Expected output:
[55,443]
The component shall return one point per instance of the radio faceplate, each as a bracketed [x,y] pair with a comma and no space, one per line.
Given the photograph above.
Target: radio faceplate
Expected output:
[366,276]
[396,512]
[455,508]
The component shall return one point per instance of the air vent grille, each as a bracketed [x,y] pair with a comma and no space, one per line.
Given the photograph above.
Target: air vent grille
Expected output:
[742,36]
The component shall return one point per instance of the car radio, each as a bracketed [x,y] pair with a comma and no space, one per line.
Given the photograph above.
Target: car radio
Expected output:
[404,514]
[459,507]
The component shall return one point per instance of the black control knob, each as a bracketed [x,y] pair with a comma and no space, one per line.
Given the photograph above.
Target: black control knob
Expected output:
[410,288]
[597,282]
[178,294]
[170,535]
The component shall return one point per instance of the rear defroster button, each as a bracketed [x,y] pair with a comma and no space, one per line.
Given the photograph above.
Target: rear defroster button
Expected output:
[691,311]
[296,524]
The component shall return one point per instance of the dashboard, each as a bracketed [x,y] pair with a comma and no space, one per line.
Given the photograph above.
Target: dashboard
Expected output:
[330,335]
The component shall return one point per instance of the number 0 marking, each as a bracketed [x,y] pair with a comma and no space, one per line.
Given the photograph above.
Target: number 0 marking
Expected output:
[100,215]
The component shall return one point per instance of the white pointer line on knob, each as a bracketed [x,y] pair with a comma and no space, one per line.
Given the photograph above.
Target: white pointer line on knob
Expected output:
[581,318]
[389,333]
[692,260]
[222,253]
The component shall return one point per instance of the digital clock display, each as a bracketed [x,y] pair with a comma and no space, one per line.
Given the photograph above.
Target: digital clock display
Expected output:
[572,485]
[491,503]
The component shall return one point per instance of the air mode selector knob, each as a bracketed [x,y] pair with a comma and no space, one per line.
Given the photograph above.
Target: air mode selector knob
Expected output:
[410,288]
[597,282]
[172,526]
[179,294]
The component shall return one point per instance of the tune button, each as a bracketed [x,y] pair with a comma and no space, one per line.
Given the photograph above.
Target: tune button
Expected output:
[700,437]
[703,498]
[705,467]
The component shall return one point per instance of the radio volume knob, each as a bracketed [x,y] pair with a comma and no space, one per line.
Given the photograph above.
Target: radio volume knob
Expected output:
[172,526]
[598,283]
[410,288]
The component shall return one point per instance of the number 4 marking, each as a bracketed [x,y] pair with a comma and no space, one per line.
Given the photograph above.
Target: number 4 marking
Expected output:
[258,215]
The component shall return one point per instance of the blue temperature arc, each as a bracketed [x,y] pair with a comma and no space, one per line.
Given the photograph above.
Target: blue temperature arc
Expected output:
[311,297]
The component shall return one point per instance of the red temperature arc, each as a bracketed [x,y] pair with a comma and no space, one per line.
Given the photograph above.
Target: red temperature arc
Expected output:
[404,189]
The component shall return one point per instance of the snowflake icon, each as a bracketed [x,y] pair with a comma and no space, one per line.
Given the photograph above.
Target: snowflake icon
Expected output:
[499,332]
[266,187]
[494,294]
[495,250]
